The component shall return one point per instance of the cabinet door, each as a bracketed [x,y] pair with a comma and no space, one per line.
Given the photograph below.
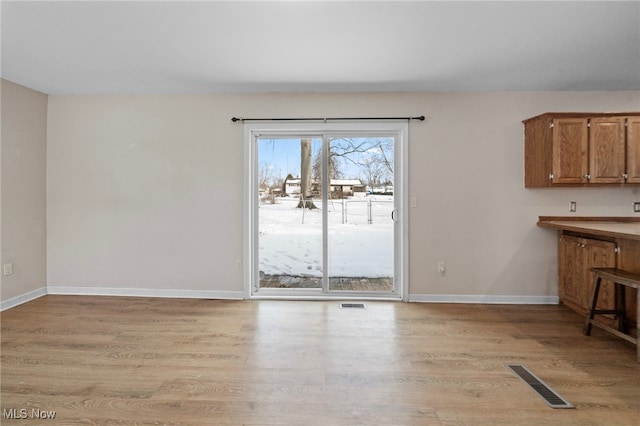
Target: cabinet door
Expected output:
[570,150]
[633,150]
[601,254]
[571,264]
[607,150]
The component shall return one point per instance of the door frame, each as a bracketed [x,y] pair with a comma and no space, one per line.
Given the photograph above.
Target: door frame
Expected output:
[254,130]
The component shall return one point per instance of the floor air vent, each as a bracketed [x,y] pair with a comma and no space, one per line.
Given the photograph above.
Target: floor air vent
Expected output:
[352,305]
[545,392]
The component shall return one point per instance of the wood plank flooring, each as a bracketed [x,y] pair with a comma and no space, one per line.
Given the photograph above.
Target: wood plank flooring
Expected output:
[144,361]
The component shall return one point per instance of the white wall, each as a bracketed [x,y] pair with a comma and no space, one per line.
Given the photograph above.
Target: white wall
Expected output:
[23,199]
[145,192]
[474,210]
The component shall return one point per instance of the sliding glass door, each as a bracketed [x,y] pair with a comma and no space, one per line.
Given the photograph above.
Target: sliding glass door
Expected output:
[360,234]
[324,213]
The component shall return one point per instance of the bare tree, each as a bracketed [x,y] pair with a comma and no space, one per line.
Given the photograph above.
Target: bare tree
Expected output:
[333,167]
[373,156]
[374,171]
[305,175]
[360,151]
[384,148]
[265,175]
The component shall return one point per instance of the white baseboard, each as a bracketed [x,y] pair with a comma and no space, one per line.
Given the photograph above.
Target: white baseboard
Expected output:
[145,292]
[23,298]
[481,298]
[239,295]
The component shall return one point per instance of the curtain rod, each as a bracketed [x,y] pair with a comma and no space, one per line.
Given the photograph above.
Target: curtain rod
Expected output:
[419,118]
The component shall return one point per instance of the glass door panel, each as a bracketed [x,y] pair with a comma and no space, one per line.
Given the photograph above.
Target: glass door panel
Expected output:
[360,205]
[290,230]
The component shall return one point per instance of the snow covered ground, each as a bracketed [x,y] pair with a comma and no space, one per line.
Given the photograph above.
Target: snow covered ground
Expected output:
[291,244]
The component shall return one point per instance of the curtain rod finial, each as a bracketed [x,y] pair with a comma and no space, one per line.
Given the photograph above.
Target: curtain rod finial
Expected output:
[236,119]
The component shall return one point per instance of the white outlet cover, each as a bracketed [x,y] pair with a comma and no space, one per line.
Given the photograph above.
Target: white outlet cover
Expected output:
[7,269]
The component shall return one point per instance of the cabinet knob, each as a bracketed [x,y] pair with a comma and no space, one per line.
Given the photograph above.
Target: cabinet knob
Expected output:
[587,176]
[625,176]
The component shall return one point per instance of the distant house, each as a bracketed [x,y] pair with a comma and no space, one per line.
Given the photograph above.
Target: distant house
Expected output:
[344,187]
[382,190]
[264,190]
[347,186]
[292,186]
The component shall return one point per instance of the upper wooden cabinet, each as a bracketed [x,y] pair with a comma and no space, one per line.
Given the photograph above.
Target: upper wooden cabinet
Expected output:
[633,150]
[607,155]
[570,146]
[582,149]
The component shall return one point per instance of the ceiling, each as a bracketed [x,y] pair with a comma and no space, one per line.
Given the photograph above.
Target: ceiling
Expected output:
[88,47]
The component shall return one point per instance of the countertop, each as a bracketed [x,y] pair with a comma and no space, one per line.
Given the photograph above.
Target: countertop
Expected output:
[618,227]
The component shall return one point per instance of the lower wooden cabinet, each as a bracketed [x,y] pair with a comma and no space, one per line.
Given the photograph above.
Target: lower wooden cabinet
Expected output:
[587,242]
[576,256]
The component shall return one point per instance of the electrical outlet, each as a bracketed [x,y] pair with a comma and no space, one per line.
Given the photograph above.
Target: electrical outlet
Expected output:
[636,207]
[413,202]
[238,264]
[441,266]
[572,206]
[7,269]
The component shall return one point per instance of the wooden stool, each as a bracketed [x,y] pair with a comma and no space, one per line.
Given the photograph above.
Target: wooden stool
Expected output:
[620,278]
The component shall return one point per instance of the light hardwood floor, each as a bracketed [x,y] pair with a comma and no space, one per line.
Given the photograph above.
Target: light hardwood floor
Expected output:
[125,361]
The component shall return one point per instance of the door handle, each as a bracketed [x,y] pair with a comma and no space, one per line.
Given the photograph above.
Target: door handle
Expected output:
[394,215]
